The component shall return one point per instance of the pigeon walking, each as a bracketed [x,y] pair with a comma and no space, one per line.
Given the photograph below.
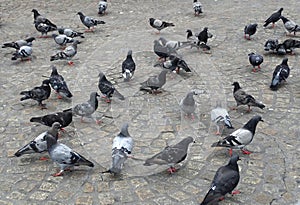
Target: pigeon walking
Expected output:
[102,6]
[220,117]
[241,137]
[121,150]
[154,82]
[19,43]
[273,18]
[161,51]
[255,60]
[44,29]
[290,25]
[38,94]
[108,89]
[242,98]
[188,105]
[59,84]
[89,22]
[62,39]
[42,24]
[64,156]
[24,53]
[69,32]
[171,155]
[86,109]
[225,180]
[197,6]
[128,67]
[39,144]
[67,54]
[281,73]
[250,30]
[159,24]
[63,118]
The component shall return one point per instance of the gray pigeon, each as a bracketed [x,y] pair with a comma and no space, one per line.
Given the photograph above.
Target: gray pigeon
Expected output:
[59,84]
[102,6]
[174,45]
[171,155]
[273,18]
[42,24]
[69,32]
[290,25]
[281,73]
[62,39]
[224,182]
[121,149]
[161,51]
[44,29]
[255,60]
[250,30]
[159,24]
[86,109]
[197,6]
[128,67]
[39,144]
[24,53]
[188,105]
[64,156]
[89,22]
[67,54]
[154,82]
[241,137]
[19,43]
[242,98]
[220,116]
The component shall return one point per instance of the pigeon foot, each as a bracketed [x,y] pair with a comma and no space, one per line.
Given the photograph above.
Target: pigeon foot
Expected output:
[70,63]
[43,158]
[235,192]
[172,170]
[246,151]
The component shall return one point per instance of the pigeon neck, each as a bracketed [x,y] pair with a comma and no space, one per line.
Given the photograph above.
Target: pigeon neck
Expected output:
[236,88]
[251,125]
[234,166]
[50,141]
[94,101]
[124,132]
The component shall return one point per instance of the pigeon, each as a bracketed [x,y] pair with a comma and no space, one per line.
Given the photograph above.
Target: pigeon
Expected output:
[154,82]
[69,32]
[250,30]
[288,46]
[39,144]
[241,137]
[42,24]
[108,89]
[174,64]
[68,53]
[63,118]
[273,18]
[290,25]
[86,109]
[281,73]
[171,155]
[193,39]
[161,51]
[89,22]
[242,98]
[203,36]
[102,6]
[159,24]
[181,64]
[62,39]
[197,6]
[39,94]
[121,150]
[19,43]
[128,67]
[271,45]
[174,45]
[59,84]
[219,116]
[64,156]
[255,60]
[188,104]
[24,53]
[225,180]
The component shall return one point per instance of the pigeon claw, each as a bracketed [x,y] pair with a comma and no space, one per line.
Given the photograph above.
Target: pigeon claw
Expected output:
[235,192]
[58,173]
[43,158]
[172,170]
[246,151]
[71,63]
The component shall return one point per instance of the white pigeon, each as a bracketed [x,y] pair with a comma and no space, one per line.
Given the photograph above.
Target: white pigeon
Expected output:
[220,117]
[24,53]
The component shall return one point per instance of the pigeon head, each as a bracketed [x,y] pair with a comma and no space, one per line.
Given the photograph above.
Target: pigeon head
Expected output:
[101,75]
[129,53]
[163,40]
[80,13]
[151,20]
[250,54]
[54,70]
[236,86]
[233,161]
[60,30]
[252,123]
[124,130]
[284,61]
[188,140]
[280,10]
[46,82]
[30,39]
[56,125]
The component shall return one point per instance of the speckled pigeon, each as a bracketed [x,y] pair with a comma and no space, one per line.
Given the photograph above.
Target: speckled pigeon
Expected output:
[62,39]
[42,24]
[281,73]
[69,32]
[188,105]
[161,51]
[89,22]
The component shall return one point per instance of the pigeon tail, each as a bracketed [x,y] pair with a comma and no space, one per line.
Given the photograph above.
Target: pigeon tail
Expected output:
[23,150]
[211,197]
[118,95]
[169,24]
[37,119]
[260,105]
[27,94]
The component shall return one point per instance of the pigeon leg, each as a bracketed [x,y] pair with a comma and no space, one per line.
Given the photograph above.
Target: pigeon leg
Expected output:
[258,66]
[42,106]
[81,120]
[59,96]
[98,122]
[70,63]
[222,198]
[273,25]
[249,109]
[254,69]
[89,30]
[246,151]
[230,152]
[235,192]
[172,170]
[43,158]
[60,173]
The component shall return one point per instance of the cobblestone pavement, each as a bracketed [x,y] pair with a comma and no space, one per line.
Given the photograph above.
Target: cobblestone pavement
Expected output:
[268,176]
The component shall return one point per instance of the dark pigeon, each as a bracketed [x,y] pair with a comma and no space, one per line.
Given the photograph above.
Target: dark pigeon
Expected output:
[273,18]
[224,182]
[108,89]
[290,25]
[38,94]
[69,32]
[255,60]
[89,22]
[242,98]
[154,82]
[102,6]
[64,156]
[63,118]
[271,45]
[288,46]
[59,84]
[203,36]
[128,67]
[24,53]
[42,24]
[250,30]
[19,43]
[159,24]
[241,137]
[171,155]
[67,54]
[281,73]
[197,6]
[39,144]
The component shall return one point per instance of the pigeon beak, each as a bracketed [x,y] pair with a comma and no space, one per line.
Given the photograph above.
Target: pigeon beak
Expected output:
[261,120]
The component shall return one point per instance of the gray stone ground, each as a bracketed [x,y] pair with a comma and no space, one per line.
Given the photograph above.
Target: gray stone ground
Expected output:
[268,176]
